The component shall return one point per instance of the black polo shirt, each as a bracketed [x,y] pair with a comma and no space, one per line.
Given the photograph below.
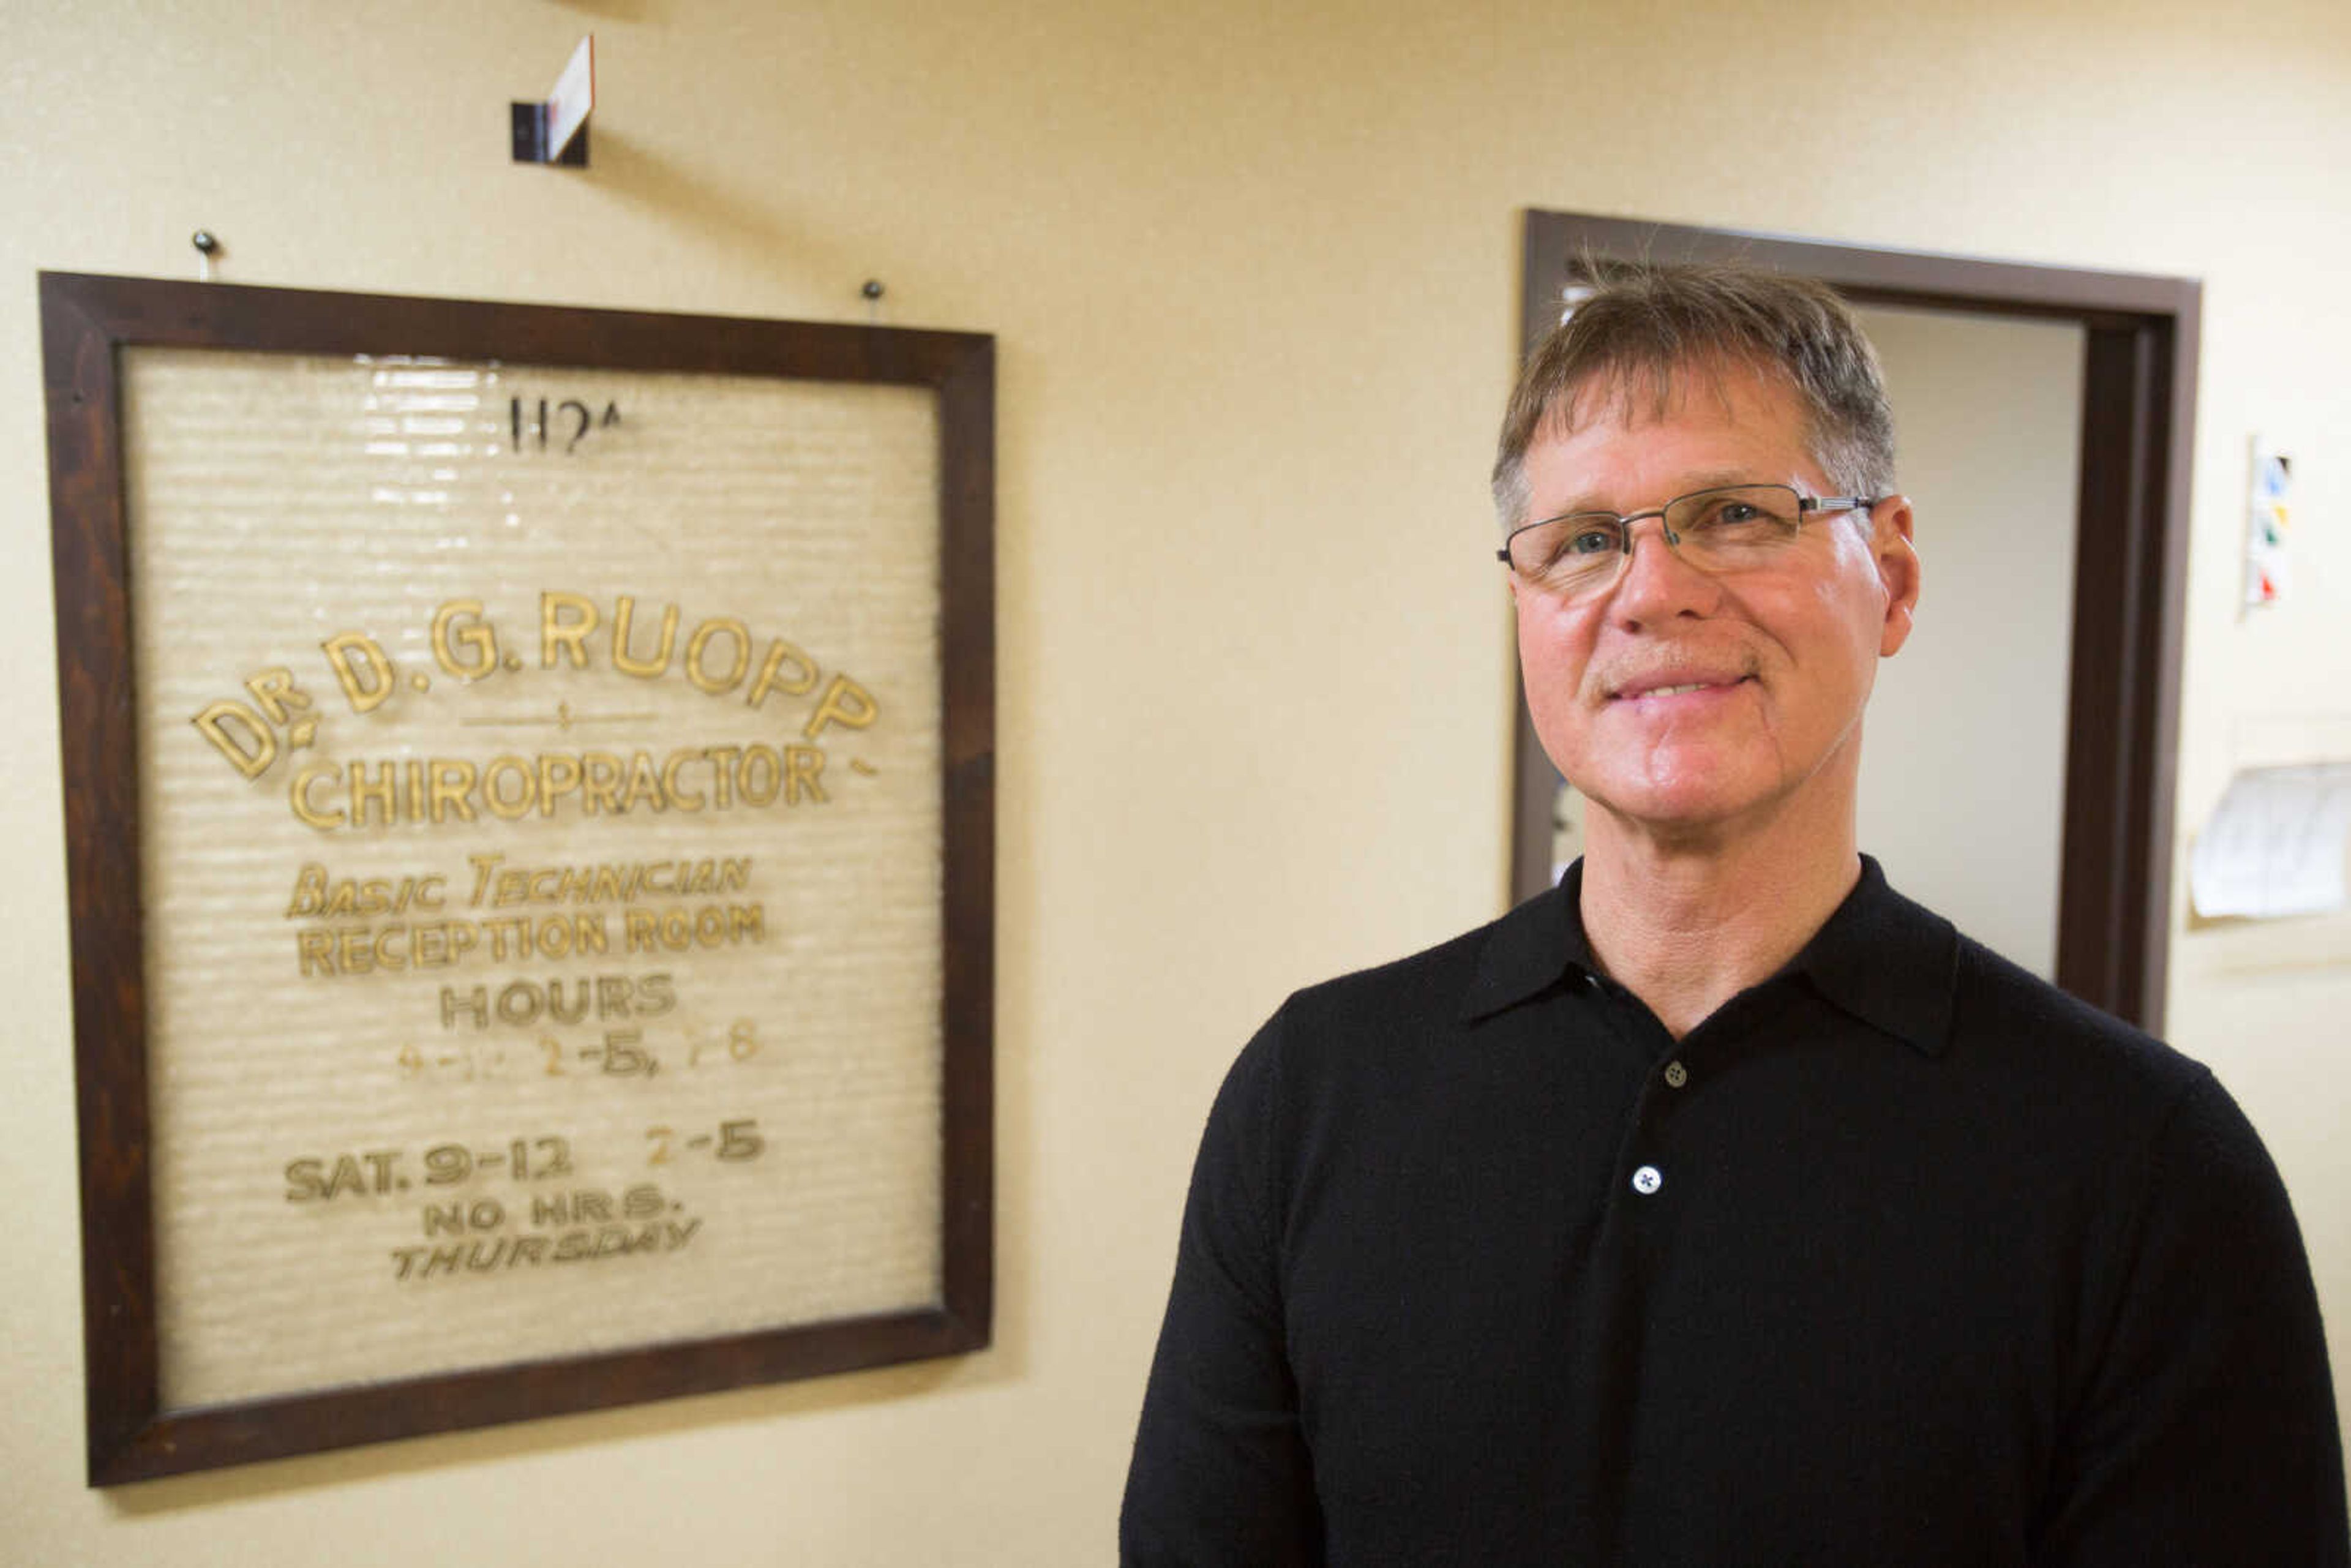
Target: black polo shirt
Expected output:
[1902,1257]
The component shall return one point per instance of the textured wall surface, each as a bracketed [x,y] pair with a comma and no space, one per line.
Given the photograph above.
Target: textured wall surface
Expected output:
[376,927]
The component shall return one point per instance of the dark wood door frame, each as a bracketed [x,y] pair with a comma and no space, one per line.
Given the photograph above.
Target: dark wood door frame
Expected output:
[2138,421]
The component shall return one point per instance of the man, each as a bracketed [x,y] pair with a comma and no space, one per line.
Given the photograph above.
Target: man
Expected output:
[1723,1205]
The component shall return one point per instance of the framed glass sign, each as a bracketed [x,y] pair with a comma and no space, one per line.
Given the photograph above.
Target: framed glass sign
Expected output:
[529,797]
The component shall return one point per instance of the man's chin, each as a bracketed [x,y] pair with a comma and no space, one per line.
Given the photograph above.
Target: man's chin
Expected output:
[1698,810]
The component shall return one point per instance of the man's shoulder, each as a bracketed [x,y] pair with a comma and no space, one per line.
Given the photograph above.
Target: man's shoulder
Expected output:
[2003,1009]
[1369,1022]
[1433,988]
[1986,1018]
[2105,1104]
[1376,1052]
[1431,981]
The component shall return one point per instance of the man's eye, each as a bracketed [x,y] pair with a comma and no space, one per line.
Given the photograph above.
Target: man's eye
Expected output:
[1730,515]
[1588,542]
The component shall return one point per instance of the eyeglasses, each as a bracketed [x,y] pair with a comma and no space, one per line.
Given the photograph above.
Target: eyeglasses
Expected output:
[1732,528]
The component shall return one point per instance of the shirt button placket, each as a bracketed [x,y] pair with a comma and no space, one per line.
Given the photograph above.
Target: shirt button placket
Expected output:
[1648,1180]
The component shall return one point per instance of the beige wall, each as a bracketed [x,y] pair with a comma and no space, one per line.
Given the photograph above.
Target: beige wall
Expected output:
[1253,270]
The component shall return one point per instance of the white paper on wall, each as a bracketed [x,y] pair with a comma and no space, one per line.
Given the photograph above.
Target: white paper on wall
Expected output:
[2276,844]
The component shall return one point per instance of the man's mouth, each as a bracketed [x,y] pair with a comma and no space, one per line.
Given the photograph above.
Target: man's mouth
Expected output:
[1679,688]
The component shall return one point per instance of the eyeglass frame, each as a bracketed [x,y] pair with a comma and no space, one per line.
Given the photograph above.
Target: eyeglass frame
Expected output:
[1806,506]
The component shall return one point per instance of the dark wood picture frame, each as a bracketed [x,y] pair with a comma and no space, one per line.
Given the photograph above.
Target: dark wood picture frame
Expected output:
[86,322]
[2137,443]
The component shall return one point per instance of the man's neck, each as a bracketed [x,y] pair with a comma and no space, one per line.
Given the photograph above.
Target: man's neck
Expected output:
[1685,925]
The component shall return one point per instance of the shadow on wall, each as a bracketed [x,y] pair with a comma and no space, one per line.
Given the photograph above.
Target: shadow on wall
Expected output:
[740,223]
[816,1398]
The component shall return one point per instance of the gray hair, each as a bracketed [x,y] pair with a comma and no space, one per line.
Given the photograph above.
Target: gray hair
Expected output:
[1638,325]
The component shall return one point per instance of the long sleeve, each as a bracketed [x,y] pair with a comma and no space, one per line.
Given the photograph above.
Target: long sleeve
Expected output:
[2207,1429]
[1220,1472]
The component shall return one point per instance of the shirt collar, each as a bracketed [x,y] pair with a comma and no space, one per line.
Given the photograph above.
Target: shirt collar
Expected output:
[1886,960]
[1529,949]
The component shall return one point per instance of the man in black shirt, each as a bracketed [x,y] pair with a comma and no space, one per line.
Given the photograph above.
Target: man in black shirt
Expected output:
[1722,1205]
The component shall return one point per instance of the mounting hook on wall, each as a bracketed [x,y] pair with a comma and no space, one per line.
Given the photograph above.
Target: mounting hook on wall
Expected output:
[555,131]
[208,250]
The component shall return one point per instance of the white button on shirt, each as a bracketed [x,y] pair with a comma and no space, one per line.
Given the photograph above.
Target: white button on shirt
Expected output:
[1647,1179]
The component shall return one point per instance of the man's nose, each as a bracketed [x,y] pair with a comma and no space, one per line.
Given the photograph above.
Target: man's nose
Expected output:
[1655,583]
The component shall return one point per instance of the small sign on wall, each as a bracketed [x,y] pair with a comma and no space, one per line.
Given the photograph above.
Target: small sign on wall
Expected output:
[2269,514]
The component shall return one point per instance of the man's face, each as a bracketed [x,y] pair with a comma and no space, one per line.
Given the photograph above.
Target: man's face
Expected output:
[1779,659]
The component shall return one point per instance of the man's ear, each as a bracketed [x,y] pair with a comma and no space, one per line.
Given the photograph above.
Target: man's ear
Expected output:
[1897,559]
